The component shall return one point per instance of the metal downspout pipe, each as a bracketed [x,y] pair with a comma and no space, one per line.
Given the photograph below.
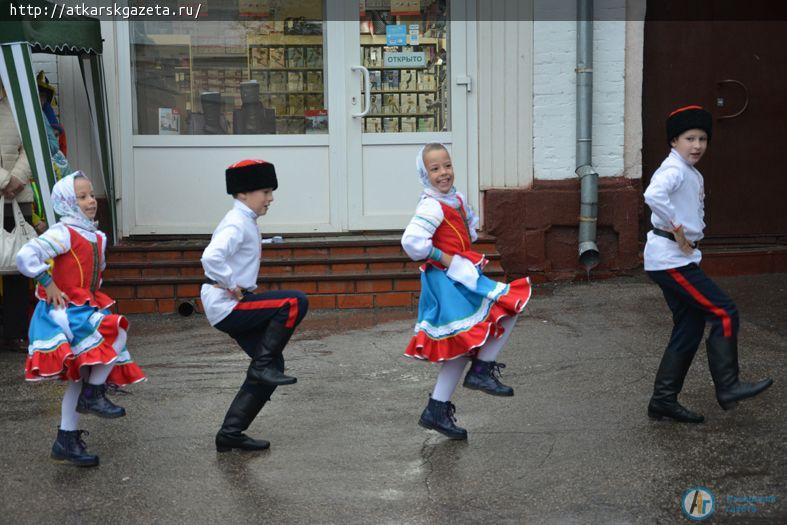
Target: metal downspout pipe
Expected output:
[588,212]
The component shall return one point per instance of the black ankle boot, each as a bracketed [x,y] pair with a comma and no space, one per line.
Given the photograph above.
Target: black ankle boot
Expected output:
[93,400]
[439,416]
[69,448]
[723,364]
[484,375]
[242,411]
[267,365]
[669,382]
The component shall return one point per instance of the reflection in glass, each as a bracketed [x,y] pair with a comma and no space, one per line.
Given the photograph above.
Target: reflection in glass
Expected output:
[260,74]
[404,47]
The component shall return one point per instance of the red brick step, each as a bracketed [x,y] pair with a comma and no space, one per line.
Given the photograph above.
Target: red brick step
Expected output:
[342,272]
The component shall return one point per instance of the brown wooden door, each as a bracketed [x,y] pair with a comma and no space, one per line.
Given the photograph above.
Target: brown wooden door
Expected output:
[731,68]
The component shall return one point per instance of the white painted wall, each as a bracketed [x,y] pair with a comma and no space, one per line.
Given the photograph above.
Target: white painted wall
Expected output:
[505,96]
[554,98]
[527,92]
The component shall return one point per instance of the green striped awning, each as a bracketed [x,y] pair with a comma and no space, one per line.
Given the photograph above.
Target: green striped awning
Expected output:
[61,35]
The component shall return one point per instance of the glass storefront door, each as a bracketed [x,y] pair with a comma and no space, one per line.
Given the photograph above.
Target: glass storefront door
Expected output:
[339,98]
[408,53]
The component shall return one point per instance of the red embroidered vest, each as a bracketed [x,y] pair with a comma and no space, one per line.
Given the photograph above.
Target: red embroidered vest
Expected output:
[452,236]
[77,273]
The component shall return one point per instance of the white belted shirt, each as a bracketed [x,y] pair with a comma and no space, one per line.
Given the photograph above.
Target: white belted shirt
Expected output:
[676,196]
[232,260]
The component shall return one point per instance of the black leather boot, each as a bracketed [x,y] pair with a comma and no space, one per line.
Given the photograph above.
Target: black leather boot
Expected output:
[243,409]
[484,376]
[93,400]
[263,367]
[669,382]
[69,448]
[439,416]
[723,364]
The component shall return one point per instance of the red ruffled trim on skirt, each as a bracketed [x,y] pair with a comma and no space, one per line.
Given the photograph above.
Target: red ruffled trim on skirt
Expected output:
[48,365]
[62,363]
[424,347]
[126,374]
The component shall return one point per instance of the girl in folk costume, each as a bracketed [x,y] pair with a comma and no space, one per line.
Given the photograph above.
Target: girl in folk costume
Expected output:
[73,336]
[463,316]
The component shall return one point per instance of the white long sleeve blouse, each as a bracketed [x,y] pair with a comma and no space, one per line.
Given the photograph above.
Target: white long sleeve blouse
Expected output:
[676,196]
[31,260]
[232,260]
[417,237]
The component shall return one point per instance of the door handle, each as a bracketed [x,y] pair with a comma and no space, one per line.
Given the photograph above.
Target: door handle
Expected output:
[745,94]
[367,91]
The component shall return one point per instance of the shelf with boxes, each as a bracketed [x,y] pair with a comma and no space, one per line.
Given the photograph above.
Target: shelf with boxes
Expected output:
[290,74]
[288,69]
[404,99]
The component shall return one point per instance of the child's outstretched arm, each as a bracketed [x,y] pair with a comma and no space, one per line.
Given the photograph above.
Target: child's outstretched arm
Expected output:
[222,246]
[417,237]
[31,260]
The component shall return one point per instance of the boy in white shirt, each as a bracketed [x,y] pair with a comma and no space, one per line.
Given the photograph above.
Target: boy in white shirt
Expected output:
[261,323]
[676,197]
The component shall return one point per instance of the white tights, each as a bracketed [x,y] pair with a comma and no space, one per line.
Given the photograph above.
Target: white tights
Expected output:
[491,349]
[95,375]
[448,377]
[451,371]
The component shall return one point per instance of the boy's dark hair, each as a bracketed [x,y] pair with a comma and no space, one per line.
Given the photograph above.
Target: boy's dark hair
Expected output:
[686,118]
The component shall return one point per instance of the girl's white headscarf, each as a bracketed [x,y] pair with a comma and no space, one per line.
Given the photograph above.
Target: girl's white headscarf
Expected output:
[64,202]
[451,198]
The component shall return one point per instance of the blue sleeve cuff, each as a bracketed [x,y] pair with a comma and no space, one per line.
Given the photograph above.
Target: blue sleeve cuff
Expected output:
[44,278]
[436,254]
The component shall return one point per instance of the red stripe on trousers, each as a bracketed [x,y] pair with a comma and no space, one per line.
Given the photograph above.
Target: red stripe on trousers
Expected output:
[726,322]
[273,303]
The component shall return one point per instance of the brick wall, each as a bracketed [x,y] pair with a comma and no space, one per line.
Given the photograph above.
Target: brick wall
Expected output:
[554,98]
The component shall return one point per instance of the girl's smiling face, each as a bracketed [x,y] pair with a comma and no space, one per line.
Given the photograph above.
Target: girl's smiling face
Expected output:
[440,170]
[86,199]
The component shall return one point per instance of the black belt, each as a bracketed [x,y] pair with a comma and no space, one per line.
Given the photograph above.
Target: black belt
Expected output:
[670,236]
[214,283]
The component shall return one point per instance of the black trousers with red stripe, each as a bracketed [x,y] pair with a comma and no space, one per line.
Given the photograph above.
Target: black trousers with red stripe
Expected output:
[248,321]
[250,318]
[694,300]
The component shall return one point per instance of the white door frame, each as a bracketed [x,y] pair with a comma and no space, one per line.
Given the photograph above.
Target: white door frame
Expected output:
[458,139]
[345,140]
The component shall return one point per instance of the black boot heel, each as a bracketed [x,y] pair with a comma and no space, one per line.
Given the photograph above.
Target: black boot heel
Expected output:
[93,400]
[723,364]
[668,384]
[484,376]
[267,366]
[242,411]
[71,449]
[439,416]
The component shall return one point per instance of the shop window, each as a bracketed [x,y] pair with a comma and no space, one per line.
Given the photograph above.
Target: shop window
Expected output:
[404,46]
[262,73]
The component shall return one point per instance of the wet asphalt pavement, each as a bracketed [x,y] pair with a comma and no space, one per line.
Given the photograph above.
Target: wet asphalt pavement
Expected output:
[573,446]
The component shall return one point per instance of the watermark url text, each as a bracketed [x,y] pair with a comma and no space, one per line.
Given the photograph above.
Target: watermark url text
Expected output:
[114,11]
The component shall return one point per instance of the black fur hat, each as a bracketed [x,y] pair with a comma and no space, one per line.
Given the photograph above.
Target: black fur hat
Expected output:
[686,118]
[250,175]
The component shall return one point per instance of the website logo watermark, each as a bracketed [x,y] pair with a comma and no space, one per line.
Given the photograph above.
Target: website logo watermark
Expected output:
[698,503]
